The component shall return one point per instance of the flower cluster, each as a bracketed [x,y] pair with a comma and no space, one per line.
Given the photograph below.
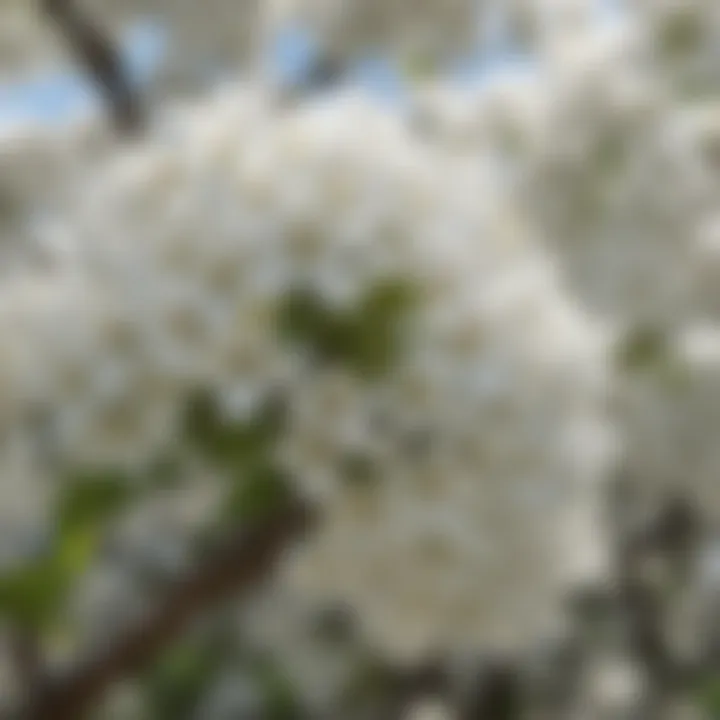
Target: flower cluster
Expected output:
[615,168]
[443,399]
[38,166]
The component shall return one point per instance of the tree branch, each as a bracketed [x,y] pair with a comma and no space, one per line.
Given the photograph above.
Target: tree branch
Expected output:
[96,52]
[26,658]
[237,566]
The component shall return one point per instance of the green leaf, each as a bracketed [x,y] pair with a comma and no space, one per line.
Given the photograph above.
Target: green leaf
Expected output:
[366,340]
[280,699]
[75,550]
[681,33]
[201,421]
[647,350]
[231,444]
[91,499]
[377,328]
[257,494]
[708,697]
[642,348]
[34,593]
[305,320]
[30,594]
[180,679]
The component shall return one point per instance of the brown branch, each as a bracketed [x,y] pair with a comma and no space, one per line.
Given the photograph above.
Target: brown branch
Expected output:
[26,658]
[237,566]
[99,57]
[495,694]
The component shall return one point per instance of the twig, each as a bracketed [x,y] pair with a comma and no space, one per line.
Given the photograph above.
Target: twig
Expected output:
[97,53]
[237,566]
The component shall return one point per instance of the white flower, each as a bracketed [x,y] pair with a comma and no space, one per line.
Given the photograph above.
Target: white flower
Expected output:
[669,411]
[445,398]
[38,166]
[582,141]
[549,28]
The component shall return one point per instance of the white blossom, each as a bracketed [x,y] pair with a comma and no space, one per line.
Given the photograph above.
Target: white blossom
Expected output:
[39,164]
[583,142]
[669,414]
[617,172]
[460,486]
